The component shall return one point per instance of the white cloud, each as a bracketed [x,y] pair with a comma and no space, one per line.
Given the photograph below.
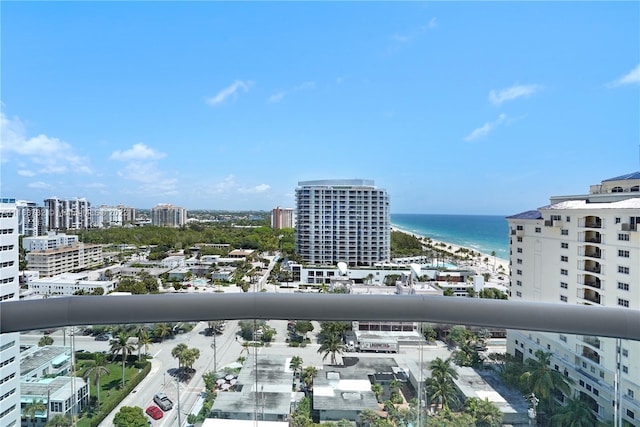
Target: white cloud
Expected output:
[39,185]
[257,189]
[47,155]
[511,93]
[433,23]
[137,152]
[632,77]
[230,90]
[279,96]
[485,129]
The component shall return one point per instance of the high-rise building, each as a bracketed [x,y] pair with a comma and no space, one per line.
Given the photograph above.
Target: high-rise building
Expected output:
[9,291]
[128,214]
[283,218]
[105,217]
[584,249]
[33,220]
[164,215]
[345,220]
[71,214]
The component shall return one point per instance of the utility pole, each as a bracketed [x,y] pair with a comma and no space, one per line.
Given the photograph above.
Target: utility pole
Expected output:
[178,389]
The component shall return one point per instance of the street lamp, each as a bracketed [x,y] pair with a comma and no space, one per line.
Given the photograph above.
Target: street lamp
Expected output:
[215,362]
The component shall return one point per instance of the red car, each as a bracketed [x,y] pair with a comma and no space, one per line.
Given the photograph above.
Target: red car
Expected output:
[154,412]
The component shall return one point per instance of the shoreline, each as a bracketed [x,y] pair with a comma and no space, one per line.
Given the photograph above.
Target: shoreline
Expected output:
[479,267]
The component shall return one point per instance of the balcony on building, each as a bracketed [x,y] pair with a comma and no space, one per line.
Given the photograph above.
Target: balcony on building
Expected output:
[592,251]
[592,281]
[592,341]
[592,266]
[590,295]
[591,354]
[592,237]
[592,222]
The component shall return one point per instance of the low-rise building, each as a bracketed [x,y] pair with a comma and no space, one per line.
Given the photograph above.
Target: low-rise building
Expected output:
[70,284]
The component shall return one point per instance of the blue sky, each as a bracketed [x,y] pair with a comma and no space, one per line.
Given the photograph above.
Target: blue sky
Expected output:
[455,108]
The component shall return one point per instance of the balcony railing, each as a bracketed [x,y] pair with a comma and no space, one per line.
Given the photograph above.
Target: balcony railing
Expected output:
[30,315]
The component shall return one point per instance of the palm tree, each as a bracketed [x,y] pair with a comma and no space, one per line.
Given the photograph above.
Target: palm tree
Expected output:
[33,408]
[330,345]
[377,390]
[440,387]
[162,330]
[541,380]
[190,356]
[485,413]
[576,413]
[144,341]
[59,421]
[121,345]
[178,353]
[309,373]
[296,364]
[98,369]
[369,417]
[443,369]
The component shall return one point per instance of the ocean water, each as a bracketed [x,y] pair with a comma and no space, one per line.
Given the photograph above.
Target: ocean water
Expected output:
[482,233]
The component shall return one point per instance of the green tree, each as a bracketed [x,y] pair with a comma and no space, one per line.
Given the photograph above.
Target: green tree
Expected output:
[210,379]
[368,417]
[36,407]
[296,365]
[377,389]
[59,421]
[190,356]
[575,413]
[331,345]
[97,370]
[440,387]
[308,374]
[303,327]
[46,340]
[485,413]
[162,331]
[539,378]
[120,345]
[130,416]
[178,352]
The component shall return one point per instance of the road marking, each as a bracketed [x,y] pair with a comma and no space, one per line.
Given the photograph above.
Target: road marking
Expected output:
[157,353]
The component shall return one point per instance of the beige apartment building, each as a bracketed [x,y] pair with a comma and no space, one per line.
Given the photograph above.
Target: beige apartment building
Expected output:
[52,262]
[584,249]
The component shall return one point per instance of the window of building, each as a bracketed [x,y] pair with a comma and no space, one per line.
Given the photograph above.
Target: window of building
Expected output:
[623,270]
[564,245]
[519,239]
[564,232]
[625,352]
[519,272]
[564,272]
[623,253]
[564,258]
[519,261]
[538,230]
[568,219]
[564,285]
[630,393]
[623,236]
[519,294]
[556,217]
[618,220]
[623,302]
[519,227]
[519,250]
[623,286]
[519,282]
[563,298]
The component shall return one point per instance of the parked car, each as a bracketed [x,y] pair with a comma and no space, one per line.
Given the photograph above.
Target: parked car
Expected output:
[154,412]
[103,337]
[163,401]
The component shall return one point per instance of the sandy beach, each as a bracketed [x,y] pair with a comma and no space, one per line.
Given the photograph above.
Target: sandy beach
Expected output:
[477,264]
